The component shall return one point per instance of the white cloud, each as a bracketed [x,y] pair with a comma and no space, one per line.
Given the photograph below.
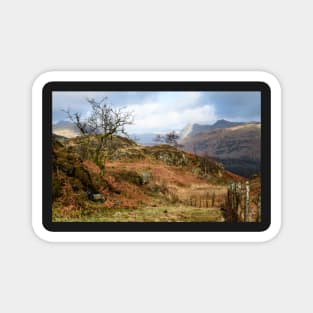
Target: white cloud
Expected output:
[154,112]
[161,117]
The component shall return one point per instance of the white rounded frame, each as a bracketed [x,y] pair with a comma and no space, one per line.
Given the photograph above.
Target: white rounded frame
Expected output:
[276,141]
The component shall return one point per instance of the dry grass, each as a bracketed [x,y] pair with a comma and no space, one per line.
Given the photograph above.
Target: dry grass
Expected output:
[152,214]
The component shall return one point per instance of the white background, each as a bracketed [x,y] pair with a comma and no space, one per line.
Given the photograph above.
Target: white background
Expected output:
[36,36]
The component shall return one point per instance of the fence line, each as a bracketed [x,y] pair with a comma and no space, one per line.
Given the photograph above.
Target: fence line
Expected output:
[237,203]
[204,201]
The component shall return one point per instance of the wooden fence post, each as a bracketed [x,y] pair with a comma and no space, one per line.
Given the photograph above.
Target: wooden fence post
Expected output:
[259,218]
[247,202]
[238,202]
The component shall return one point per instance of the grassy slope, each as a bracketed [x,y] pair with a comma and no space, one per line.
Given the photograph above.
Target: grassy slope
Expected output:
[174,213]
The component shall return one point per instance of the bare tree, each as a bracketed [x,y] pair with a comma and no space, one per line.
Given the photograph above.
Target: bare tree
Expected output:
[172,139]
[159,138]
[103,122]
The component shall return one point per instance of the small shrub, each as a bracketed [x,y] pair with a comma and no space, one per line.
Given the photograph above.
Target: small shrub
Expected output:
[129,176]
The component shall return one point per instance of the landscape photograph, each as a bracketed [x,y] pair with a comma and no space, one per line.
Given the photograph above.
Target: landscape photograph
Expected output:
[166,156]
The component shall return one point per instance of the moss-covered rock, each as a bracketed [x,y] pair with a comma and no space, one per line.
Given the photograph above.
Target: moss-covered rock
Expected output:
[169,155]
[145,177]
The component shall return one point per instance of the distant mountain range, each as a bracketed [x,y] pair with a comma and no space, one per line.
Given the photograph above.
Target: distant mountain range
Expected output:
[69,130]
[65,129]
[236,145]
[193,129]
[146,139]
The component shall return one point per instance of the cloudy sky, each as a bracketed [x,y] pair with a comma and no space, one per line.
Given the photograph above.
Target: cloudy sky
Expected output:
[159,112]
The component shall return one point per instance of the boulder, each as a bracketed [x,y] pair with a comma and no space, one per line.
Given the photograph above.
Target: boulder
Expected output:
[145,177]
[96,197]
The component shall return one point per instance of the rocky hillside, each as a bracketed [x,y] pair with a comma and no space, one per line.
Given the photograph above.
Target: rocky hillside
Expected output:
[134,177]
